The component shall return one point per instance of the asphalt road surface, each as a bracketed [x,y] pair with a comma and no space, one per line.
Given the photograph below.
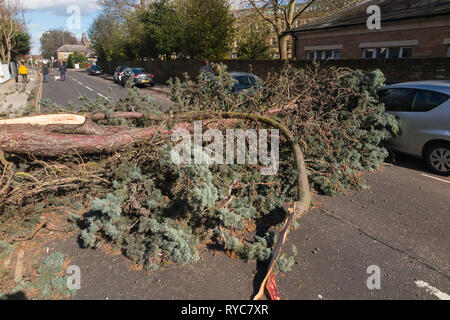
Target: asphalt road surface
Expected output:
[79,83]
[399,226]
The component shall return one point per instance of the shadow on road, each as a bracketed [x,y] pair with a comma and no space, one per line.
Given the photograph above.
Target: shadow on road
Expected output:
[408,162]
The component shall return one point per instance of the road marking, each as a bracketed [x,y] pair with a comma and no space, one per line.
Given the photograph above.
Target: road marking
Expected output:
[441,295]
[80,83]
[431,177]
[88,88]
[102,96]
[19,266]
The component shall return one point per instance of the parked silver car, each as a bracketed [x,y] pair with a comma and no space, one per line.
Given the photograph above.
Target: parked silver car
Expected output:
[422,110]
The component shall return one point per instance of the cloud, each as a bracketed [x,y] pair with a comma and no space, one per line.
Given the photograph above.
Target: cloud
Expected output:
[59,7]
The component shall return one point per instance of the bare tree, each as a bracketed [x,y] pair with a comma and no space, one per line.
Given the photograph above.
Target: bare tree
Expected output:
[11,25]
[283,14]
[120,8]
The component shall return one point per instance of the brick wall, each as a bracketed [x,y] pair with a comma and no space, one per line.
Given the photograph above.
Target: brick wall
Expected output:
[395,70]
[429,32]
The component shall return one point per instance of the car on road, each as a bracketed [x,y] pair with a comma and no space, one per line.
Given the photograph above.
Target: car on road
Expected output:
[422,110]
[138,76]
[118,73]
[95,70]
[245,81]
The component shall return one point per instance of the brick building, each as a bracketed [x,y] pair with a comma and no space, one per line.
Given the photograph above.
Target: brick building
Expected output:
[409,29]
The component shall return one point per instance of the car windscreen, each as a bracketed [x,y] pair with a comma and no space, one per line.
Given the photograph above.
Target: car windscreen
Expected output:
[95,67]
[244,82]
[138,71]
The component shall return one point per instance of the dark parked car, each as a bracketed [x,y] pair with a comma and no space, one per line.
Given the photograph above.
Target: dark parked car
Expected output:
[138,76]
[246,81]
[95,70]
[118,73]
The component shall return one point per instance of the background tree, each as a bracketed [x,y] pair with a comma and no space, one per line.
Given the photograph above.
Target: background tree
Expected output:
[14,38]
[283,14]
[163,29]
[207,28]
[252,40]
[52,40]
[109,38]
[74,58]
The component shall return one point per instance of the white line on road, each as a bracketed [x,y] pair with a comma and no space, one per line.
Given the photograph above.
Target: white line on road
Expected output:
[80,83]
[441,295]
[102,96]
[442,180]
[88,88]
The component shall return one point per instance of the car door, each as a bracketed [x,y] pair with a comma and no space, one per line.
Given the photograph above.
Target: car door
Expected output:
[398,101]
[424,121]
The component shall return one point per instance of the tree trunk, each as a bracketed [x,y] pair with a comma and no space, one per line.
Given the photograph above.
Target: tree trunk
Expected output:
[65,135]
[282,44]
[41,142]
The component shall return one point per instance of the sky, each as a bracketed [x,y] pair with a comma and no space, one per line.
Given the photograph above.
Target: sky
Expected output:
[43,15]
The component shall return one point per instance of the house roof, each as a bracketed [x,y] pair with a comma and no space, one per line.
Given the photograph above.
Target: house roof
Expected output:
[77,48]
[391,10]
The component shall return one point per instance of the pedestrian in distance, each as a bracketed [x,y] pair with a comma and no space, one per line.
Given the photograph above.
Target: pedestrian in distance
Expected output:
[45,72]
[24,72]
[63,70]
[206,68]
[16,71]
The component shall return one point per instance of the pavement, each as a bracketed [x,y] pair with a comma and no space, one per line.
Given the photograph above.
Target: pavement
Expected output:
[79,83]
[399,225]
[14,97]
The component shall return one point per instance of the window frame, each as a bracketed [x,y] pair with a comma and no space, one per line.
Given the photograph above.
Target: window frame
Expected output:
[322,54]
[388,53]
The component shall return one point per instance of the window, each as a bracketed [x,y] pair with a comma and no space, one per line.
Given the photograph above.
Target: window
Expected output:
[394,52]
[391,52]
[406,52]
[397,99]
[448,52]
[370,53]
[427,100]
[323,54]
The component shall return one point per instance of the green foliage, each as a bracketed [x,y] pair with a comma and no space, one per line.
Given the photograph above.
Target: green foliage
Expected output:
[76,58]
[162,30]
[335,113]
[21,44]
[5,249]
[252,41]
[158,211]
[49,284]
[111,39]
[208,29]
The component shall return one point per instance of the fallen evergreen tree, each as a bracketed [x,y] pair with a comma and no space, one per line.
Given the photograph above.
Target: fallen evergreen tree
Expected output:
[157,212]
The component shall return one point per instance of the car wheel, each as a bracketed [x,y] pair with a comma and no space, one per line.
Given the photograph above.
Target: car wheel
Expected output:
[437,157]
